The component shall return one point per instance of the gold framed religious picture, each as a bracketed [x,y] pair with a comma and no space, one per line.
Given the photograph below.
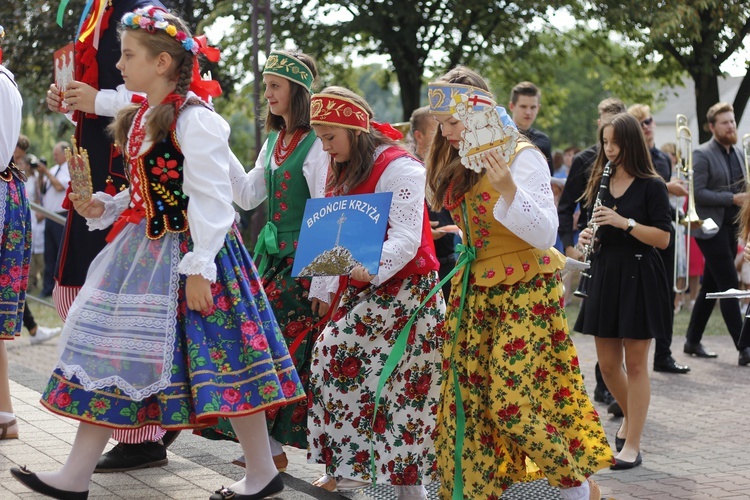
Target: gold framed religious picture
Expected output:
[80,171]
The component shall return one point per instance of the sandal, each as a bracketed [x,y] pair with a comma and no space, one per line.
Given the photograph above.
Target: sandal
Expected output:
[4,434]
[595,493]
[326,482]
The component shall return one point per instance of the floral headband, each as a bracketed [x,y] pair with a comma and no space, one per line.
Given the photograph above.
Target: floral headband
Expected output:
[151,19]
[290,68]
[335,111]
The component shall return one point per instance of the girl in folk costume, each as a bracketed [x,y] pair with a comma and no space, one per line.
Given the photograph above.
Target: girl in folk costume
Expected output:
[627,274]
[372,416]
[291,168]
[15,238]
[172,326]
[513,392]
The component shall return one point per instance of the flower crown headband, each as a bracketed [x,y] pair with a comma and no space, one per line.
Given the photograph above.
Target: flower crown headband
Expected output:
[151,19]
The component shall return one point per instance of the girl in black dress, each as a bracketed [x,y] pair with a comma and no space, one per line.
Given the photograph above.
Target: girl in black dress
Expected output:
[628,300]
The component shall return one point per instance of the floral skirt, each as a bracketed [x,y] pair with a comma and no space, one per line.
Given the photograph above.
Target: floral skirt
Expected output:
[527,412]
[231,361]
[348,359]
[293,311]
[15,254]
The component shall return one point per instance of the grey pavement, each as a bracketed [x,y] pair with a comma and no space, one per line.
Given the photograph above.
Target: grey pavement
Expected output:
[695,444]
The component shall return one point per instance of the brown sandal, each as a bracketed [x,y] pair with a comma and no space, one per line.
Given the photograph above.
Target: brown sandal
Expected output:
[4,430]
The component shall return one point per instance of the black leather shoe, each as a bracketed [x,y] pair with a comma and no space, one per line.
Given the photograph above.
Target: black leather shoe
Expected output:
[669,365]
[697,350]
[619,442]
[125,457]
[744,357]
[31,481]
[623,465]
[275,487]
[602,395]
[615,410]
[169,438]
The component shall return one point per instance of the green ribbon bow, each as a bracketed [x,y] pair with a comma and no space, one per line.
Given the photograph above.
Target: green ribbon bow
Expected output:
[268,244]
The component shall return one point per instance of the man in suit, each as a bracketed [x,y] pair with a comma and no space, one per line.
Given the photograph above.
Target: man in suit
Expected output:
[719,182]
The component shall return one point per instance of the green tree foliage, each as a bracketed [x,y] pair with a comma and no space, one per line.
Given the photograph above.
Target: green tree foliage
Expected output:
[696,35]
[575,69]
[408,32]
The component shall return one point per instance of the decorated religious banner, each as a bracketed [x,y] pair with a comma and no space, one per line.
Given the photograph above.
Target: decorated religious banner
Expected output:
[486,125]
[342,232]
[64,71]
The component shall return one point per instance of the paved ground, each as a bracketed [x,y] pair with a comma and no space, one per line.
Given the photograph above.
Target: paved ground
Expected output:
[695,444]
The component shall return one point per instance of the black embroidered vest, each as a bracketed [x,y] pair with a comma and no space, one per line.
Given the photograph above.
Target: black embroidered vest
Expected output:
[161,177]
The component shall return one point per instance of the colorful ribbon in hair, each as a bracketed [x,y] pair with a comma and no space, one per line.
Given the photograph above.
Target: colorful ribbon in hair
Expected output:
[205,88]
[336,111]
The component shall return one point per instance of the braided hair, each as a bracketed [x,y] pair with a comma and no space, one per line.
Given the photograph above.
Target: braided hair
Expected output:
[163,117]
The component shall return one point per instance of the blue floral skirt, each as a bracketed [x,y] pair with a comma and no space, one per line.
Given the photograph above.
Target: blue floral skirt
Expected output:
[231,361]
[15,253]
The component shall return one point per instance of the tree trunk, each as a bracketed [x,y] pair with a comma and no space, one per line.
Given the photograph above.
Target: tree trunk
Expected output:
[706,95]
[740,100]
[410,82]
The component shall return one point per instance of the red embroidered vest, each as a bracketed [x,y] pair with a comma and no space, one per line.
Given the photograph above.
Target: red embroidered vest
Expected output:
[425,260]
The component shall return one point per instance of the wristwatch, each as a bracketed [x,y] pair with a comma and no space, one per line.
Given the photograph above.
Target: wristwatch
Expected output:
[631,226]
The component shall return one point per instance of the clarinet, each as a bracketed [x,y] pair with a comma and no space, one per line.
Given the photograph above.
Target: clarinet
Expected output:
[583,283]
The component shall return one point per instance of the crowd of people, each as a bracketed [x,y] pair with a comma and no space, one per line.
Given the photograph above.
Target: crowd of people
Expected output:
[453,363]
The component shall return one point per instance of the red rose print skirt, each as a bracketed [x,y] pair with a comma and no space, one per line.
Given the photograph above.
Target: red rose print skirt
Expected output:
[348,359]
[527,412]
[15,253]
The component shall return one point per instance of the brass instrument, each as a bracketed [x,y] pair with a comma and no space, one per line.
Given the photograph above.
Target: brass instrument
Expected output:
[403,127]
[583,283]
[691,220]
[746,150]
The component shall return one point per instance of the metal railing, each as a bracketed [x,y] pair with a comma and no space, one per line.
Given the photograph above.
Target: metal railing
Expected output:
[53,217]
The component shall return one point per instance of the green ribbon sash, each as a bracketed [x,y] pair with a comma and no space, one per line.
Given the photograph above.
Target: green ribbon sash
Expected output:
[467,254]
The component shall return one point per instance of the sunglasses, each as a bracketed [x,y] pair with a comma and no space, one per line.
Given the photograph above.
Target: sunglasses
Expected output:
[648,121]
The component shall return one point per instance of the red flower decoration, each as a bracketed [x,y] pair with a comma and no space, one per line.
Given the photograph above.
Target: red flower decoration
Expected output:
[165,169]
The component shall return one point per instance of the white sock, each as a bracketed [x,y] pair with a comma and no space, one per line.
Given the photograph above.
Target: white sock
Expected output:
[276,447]
[576,493]
[6,417]
[88,446]
[259,468]
[411,492]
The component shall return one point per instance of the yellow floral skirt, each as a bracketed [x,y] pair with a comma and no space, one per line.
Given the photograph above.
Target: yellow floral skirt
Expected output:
[527,412]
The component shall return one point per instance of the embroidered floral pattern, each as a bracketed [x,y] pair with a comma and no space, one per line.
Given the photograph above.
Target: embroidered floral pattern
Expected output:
[522,392]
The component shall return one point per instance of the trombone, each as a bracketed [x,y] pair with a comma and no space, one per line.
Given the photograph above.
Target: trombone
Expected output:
[746,150]
[691,221]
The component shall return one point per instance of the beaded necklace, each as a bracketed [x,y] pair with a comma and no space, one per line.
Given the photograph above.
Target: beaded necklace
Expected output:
[138,134]
[281,152]
[447,198]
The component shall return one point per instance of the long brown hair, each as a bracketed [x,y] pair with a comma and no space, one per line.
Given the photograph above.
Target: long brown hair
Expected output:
[444,166]
[743,218]
[299,100]
[633,157]
[162,117]
[343,177]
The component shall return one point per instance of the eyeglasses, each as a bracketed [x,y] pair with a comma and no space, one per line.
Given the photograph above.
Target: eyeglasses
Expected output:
[648,121]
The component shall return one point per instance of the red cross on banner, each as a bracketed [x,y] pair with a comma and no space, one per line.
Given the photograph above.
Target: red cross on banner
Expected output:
[475,99]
